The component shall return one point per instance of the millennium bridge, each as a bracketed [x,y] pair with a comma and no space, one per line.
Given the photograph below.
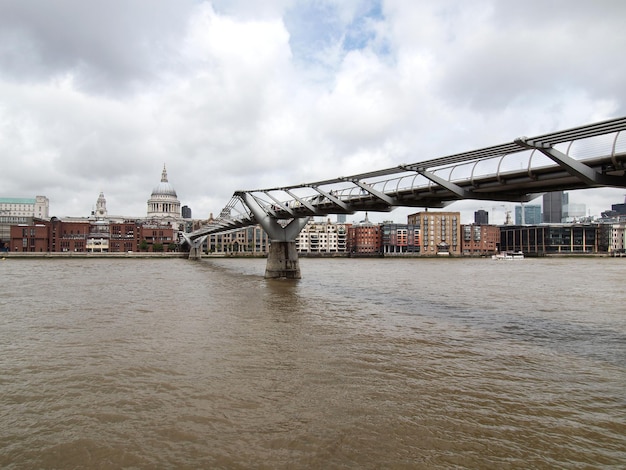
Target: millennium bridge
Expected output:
[588,156]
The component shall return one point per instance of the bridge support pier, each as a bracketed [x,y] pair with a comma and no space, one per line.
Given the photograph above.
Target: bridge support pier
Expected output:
[195,246]
[282,261]
[195,252]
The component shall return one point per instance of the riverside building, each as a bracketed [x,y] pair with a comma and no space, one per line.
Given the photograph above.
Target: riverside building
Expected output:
[89,236]
[246,241]
[440,232]
[322,238]
[480,240]
[400,239]
[15,210]
[25,207]
[365,238]
[101,232]
[547,239]
[616,238]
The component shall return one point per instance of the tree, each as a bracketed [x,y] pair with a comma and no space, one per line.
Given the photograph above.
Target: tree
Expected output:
[157,247]
[143,246]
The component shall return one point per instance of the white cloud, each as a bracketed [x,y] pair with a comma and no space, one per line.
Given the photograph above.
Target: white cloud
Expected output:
[239,95]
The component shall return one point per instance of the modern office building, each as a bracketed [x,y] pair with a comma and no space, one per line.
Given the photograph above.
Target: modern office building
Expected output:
[481,217]
[617,212]
[546,239]
[619,208]
[574,212]
[553,207]
[528,214]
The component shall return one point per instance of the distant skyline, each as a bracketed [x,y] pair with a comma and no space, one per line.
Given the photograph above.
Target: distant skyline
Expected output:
[496,209]
[237,94]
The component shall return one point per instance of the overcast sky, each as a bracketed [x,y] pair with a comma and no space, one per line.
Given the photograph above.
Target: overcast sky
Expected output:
[241,94]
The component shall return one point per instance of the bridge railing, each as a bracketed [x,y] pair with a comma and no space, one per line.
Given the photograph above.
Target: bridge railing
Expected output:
[436,182]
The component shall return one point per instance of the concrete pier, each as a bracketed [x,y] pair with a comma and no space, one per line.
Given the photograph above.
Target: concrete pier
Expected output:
[195,252]
[195,246]
[282,261]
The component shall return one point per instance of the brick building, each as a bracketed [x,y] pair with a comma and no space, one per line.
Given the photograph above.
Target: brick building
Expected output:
[33,238]
[400,238]
[69,235]
[440,232]
[480,240]
[20,211]
[365,238]
[89,236]
[155,237]
[123,236]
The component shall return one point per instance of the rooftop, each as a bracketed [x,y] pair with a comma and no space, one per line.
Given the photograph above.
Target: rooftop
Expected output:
[17,200]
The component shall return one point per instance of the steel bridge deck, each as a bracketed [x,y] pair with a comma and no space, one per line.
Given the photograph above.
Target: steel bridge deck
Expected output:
[588,156]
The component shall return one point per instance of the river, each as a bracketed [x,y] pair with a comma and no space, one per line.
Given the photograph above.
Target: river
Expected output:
[363,363]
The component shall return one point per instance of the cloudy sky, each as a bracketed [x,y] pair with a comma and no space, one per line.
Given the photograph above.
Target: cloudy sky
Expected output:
[241,94]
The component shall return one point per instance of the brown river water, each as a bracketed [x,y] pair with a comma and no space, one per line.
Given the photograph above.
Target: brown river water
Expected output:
[363,363]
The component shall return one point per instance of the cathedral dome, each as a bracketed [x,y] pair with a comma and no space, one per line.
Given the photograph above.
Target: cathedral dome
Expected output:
[164,188]
[163,202]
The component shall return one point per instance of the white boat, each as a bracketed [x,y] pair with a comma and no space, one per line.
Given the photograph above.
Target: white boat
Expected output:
[508,255]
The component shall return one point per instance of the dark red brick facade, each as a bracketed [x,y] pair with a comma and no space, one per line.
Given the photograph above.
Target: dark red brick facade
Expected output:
[365,239]
[61,236]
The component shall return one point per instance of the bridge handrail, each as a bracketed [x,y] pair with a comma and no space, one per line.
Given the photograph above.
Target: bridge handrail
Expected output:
[352,193]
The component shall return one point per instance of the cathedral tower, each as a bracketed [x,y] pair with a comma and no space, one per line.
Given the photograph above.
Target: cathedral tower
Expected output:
[101,207]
